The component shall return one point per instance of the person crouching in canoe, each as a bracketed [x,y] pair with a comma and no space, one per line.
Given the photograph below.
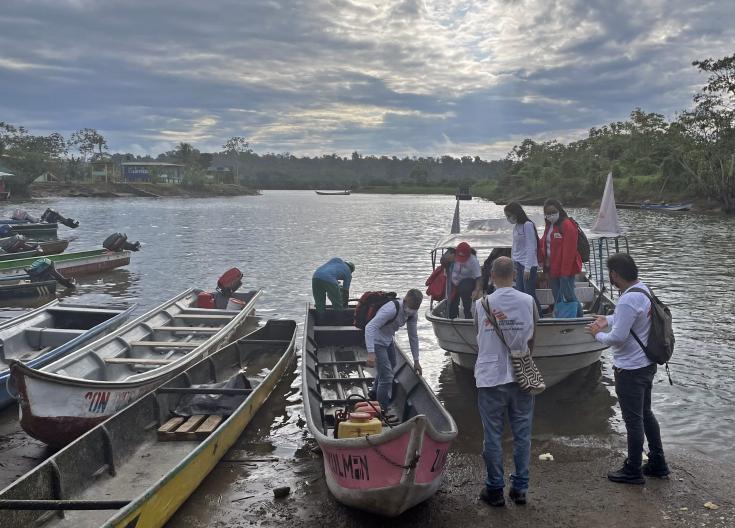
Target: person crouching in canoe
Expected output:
[379,335]
[325,283]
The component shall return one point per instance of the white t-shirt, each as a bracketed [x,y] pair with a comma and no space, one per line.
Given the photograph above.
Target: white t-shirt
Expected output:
[525,246]
[470,269]
[632,312]
[516,315]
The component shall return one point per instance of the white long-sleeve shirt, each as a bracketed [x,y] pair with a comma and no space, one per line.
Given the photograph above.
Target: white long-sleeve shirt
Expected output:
[633,312]
[525,245]
[381,330]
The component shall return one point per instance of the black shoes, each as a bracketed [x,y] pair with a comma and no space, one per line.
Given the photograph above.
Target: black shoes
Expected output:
[494,497]
[519,497]
[656,467]
[627,475]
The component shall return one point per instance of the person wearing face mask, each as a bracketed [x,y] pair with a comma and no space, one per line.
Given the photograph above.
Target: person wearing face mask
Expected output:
[558,253]
[634,372]
[379,341]
[524,251]
[466,277]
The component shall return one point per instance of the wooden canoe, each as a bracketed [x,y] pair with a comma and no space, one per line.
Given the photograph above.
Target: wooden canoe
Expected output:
[40,229]
[48,247]
[138,467]
[73,264]
[333,193]
[70,396]
[16,288]
[386,473]
[48,333]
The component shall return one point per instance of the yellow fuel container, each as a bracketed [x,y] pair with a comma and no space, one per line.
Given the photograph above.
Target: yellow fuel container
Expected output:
[358,425]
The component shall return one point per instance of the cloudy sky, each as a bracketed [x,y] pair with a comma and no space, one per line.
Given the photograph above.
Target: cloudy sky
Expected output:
[403,77]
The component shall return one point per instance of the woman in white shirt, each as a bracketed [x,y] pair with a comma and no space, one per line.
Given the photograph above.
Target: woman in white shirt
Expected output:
[525,250]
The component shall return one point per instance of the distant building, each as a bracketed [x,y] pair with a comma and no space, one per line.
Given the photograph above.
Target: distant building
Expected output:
[220,174]
[104,170]
[152,171]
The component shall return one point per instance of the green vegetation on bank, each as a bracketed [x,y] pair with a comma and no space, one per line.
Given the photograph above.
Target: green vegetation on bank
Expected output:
[408,189]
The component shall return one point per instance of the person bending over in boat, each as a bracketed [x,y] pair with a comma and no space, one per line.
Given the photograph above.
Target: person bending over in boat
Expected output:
[466,280]
[498,393]
[379,335]
[325,283]
[524,251]
[634,372]
[558,253]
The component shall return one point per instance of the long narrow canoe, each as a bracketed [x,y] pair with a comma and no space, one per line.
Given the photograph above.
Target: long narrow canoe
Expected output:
[20,254]
[49,247]
[40,229]
[45,334]
[72,264]
[138,467]
[70,396]
[16,288]
[384,473]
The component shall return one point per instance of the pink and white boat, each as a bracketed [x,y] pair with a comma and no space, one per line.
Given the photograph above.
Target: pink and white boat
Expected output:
[385,473]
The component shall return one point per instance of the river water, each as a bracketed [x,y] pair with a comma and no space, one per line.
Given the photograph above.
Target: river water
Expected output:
[279,238]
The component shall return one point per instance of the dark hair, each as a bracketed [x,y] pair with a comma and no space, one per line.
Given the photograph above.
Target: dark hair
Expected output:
[515,209]
[624,265]
[555,203]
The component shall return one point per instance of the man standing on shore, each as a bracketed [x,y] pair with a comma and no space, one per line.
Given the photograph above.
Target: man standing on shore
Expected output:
[498,393]
[325,283]
[633,370]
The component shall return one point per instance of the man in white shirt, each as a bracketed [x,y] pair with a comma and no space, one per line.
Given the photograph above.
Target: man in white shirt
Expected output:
[633,370]
[498,392]
[379,334]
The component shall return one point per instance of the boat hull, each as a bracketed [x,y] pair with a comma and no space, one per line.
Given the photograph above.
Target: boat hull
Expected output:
[27,290]
[386,473]
[71,264]
[56,409]
[562,345]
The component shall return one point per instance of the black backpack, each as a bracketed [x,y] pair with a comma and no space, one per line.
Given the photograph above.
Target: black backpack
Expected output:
[660,345]
[583,245]
[369,304]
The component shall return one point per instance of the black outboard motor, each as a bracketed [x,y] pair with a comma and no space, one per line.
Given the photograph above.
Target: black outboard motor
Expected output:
[44,270]
[119,242]
[17,243]
[51,216]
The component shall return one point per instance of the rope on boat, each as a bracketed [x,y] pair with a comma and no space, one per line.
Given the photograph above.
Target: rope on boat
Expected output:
[414,461]
[473,347]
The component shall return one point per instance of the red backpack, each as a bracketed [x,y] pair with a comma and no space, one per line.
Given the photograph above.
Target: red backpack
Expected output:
[369,304]
[437,284]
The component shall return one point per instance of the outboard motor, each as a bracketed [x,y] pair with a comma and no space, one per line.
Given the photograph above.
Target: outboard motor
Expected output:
[51,216]
[229,282]
[6,230]
[119,242]
[44,270]
[22,215]
[17,243]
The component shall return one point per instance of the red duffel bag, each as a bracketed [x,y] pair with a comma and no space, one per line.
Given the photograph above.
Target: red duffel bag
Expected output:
[437,284]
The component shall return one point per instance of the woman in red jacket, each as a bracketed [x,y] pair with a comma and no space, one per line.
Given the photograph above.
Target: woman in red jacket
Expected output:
[558,253]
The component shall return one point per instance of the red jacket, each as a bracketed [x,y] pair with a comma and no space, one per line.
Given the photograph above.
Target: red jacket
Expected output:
[565,259]
[437,284]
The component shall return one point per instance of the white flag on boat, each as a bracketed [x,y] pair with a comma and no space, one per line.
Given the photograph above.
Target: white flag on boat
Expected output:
[607,220]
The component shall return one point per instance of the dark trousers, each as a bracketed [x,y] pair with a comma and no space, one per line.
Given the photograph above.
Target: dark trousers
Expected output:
[633,388]
[463,291]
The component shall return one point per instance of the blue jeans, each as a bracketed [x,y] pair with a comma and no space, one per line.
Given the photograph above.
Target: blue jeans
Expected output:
[563,289]
[493,402]
[385,358]
[526,286]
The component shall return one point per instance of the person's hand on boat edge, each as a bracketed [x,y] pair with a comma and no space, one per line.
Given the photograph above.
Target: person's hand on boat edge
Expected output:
[370,362]
[597,326]
[417,367]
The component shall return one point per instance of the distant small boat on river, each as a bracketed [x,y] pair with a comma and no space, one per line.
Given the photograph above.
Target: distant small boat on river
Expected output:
[346,192]
[660,206]
[463,193]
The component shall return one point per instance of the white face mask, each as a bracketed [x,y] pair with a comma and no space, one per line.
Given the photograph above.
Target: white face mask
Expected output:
[512,219]
[553,218]
[410,312]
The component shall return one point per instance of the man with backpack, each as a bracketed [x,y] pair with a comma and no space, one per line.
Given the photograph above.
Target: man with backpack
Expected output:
[633,340]
[379,334]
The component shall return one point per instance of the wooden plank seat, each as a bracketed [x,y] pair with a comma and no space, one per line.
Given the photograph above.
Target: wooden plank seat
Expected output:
[137,361]
[195,427]
[190,329]
[584,295]
[166,344]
